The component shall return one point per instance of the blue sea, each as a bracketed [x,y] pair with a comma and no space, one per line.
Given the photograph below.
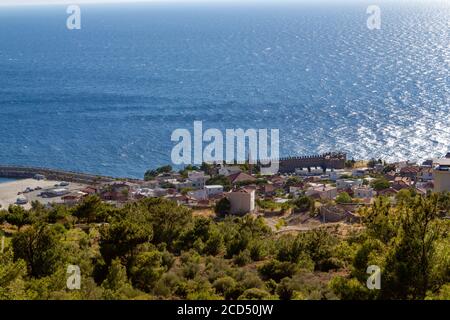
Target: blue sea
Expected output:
[105,99]
[4,180]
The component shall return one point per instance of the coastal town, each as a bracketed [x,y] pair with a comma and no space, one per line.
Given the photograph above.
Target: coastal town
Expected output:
[308,192]
[228,232]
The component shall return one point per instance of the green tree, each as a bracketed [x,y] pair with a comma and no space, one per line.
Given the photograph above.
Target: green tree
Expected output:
[344,197]
[349,289]
[147,269]
[40,247]
[116,285]
[120,238]
[214,245]
[225,285]
[379,220]
[255,294]
[167,218]
[409,243]
[151,174]
[207,168]
[223,207]
[220,180]
[285,290]
[380,184]
[409,263]
[304,204]
[277,270]
[91,209]
[18,216]
[12,277]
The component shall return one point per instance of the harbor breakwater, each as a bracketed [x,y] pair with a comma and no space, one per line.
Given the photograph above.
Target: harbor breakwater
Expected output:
[22,172]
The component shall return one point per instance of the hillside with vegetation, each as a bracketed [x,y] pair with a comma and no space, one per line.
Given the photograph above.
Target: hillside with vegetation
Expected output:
[156,249]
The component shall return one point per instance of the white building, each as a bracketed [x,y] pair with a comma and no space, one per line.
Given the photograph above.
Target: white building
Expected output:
[198,194]
[213,190]
[363,192]
[150,193]
[323,191]
[316,171]
[197,179]
[242,201]
[335,174]
[302,171]
[206,192]
[360,172]
[348,184]
[183,184]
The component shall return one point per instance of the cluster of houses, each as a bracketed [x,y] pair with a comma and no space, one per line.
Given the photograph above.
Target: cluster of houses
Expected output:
[431,175]
[191,190]
[243,188]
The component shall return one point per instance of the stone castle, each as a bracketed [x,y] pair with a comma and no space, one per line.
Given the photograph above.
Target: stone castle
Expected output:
[330,160]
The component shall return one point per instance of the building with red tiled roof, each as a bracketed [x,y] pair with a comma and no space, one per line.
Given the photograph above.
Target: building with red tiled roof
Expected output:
[402,183]
[410,172]
[240,177]
[387,192]
[90,190]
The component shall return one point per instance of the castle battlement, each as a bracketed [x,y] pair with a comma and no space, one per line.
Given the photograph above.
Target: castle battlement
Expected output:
[329,160]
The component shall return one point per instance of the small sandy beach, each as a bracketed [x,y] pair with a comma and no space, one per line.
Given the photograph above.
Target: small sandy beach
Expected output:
[9,190]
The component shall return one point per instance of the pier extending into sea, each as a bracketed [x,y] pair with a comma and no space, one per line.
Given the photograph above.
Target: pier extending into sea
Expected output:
[22,172]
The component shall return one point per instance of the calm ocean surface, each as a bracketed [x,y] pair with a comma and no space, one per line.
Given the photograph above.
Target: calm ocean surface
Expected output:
[105,99]
[4,180]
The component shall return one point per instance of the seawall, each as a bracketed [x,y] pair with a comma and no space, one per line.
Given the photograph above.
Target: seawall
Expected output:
[19,172]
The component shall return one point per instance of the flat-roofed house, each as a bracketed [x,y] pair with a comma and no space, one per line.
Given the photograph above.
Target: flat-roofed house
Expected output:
[242,201]
[441,174]
[360,172]
[322,191]
[348,184]
[302,171]
[182,184]
[363,192]
[213,190]
[335,174]
[425,174]
[316,170]
[197,179]
[296,189]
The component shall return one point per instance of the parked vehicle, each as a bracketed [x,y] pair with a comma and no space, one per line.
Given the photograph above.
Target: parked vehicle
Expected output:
[21,200]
